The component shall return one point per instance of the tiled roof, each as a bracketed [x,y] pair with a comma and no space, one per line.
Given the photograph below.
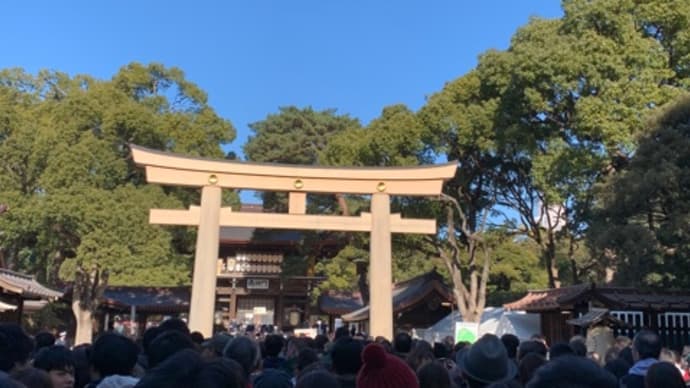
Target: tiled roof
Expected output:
[408,293]
[611,297]
[25,285]
[148,299]
[333,303]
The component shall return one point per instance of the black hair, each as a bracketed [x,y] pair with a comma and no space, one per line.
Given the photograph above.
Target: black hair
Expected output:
[54,357]
[113,354]
[18,344]
[664,374]
[529,365]
[320,342]
[340,332]
[272,378]
[627,355]
[441,350]
[402,342]
[43,340]
[560,349]
[647,344]
[317,378]
[177,371]
[149,335]
[32,377]
[578,346]
[306,357]
[167,344]
[346,356]
[433,375]
[511,343]
[618,367]
[196,337]
[245,352]
[221,372]
[175,324]
[531,346]
[82,375]
[273,345]
[572,372]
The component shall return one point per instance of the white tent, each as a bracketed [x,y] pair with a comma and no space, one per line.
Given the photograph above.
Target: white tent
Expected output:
[495,320]
[7,307]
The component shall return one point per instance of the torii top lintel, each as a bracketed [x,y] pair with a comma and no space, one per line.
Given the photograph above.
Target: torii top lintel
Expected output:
[171,169]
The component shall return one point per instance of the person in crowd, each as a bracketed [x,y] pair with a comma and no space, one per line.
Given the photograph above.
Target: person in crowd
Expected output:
[622,342]
[486,362]
[572,372]
[531,346]
[82,374]
[578,345]
[663,375]
[346,360]
[43,340]
[177,371]
[16,347]
[196,337]
[560,349]
[671,356]
[646,349]
[383,370]
[113,358]
[213,348]
[421,354]
[245,352]
[273,378]
[402,344]
[166,344]
[627,355]
[273,346]
[529,365]
[618,367]
[32,378]
[174,324]
[434,375]
[307,359]
[317,378]
[441,350]
[58,362]
[221,373]
[511,342]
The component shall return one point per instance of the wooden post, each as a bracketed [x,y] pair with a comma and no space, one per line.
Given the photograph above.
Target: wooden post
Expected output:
[380,270]
[204,282]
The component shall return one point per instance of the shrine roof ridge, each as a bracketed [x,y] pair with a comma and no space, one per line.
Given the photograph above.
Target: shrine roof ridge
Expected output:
[156,158]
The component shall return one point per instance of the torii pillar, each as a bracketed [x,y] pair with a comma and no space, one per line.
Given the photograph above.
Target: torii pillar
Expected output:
[213,175]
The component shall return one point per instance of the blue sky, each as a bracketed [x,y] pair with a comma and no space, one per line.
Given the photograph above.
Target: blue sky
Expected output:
[254,56]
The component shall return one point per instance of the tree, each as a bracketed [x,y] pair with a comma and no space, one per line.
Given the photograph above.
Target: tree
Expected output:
[642,224]
[77,203]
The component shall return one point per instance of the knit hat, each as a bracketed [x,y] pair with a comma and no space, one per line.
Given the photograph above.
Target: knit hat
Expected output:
[383,370]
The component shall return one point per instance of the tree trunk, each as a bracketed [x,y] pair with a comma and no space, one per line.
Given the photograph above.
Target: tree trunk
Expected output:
[84,318]
[551,267]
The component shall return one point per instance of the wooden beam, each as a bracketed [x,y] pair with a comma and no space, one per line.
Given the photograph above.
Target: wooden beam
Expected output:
[298,202]
[292,221]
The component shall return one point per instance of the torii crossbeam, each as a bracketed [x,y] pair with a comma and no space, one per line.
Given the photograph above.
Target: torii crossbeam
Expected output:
[214,175]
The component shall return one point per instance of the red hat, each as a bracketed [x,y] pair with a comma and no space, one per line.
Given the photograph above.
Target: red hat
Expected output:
[383,370]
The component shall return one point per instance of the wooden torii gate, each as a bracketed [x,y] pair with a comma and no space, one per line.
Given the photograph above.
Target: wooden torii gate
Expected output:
[213,175]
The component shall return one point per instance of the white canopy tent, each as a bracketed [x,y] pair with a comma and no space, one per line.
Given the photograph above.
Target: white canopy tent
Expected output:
[495,320]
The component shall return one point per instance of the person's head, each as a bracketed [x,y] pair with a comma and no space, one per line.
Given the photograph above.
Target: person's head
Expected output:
[196,337]
[320,343]
[175,324]
[272,378]
[618,367]
[511,343]
[529,365]
[149,335]
[560,349]
[346,356]
[81,354]
[305,358]
[627,355]
[663,374]
[530,346]
[433,375]
[43,340]
[383,370]
[213,348]
[167,344]
[441,350]
[486,362]
[669,355]
[421,353]
[113,354]
[221,373]
[273,344]
[32,378]
[402,343]
[340,332]
[317,378]
[245,352]
[17,346]
[177,371]
[572,372]
[58,362]
[646,344]
[622,342]
[578,345]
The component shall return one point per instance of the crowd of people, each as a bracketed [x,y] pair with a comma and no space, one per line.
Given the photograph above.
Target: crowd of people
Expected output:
[170,356]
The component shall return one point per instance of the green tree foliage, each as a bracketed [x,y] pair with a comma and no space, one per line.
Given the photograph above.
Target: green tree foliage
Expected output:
[642,227]
[77,204]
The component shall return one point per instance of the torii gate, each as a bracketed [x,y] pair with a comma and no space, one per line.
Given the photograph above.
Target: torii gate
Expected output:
[213,175]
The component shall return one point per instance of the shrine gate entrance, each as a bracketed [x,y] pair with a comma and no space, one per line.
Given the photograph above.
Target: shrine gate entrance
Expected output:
[214,175]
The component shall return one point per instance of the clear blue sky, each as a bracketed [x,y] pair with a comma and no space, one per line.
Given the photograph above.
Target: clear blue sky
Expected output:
[253,56]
